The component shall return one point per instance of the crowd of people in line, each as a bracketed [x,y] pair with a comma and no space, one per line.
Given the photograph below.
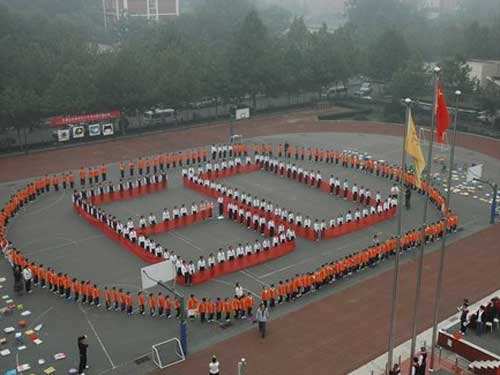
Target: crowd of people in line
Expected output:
[186,269]
[373,206]
[286,290]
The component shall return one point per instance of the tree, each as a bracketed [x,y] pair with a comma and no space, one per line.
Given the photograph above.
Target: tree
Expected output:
[328,65]
[489,100]
[456,75]
[296,56]
[411,80]
[388,54]
[21,108]
[250,65]
[371,18]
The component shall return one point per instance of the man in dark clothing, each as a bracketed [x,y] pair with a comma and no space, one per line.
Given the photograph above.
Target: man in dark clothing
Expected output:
[82,349]
[422,361]
[407,198]
[464,311]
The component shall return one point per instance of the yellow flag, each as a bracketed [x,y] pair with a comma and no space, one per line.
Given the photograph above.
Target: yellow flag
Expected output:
[412,146]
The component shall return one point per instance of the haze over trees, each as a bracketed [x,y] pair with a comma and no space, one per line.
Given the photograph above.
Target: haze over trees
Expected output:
[51,62]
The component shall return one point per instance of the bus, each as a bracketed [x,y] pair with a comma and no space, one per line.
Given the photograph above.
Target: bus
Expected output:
[160,116]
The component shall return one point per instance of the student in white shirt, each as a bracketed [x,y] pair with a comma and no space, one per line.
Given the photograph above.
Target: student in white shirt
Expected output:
[165,216]
[317,230]
[238,291]
[257,247]
[175,213]
[201,264]
[230,254]
[240,251]
[211,260]
[214,367]
[221,256]
[248,249]
[152,219]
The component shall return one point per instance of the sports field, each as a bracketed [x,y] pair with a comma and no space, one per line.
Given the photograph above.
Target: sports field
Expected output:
[49,232]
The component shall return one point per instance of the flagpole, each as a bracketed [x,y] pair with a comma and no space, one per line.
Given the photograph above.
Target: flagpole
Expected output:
[395,284]
[420,262]
[439,286]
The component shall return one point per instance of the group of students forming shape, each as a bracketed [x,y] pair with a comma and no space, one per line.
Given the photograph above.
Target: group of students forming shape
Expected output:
[217,309]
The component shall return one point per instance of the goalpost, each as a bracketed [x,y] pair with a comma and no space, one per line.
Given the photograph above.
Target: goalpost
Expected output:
[167,353]
[174,350]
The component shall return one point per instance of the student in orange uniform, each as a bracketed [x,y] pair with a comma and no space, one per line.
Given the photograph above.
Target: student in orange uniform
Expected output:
[202,308]
[60,284]
[104,172]
[192,305]
[96,293]
[131,167]
[83,174]
[281,292]
[141,165]
[114,298]
[107,298]
[247,301]
[76,288]
[68,285]
[167,306]
[265,295]
[273,296]
[152,304]
[88,292]
[161,303]
[129,303]
[121,167]
[210,310]
[121,300]
[141,302]
[177,304]
[55,182]
[219,308]
[95,174]
[228,309]
[237,308]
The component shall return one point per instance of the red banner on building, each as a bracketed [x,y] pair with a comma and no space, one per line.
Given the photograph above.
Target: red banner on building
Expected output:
[58,121]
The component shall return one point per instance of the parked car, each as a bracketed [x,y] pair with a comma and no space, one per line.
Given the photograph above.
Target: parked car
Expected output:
[334,91]
[160,116]
[364,90]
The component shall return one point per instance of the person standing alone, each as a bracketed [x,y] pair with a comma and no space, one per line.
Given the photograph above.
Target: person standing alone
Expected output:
[214,366]
[262,318]
[28,277]
[82,349]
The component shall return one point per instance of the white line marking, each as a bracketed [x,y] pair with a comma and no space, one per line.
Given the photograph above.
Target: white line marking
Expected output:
[188,241]
[46,207]
[308,259]
[246,273]
[70,242]
[39,317]
[98,337]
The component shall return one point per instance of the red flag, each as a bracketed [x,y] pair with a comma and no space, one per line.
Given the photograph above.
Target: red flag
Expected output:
[442,115]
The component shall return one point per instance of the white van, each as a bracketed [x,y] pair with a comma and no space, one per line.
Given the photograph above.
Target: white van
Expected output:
[160,116]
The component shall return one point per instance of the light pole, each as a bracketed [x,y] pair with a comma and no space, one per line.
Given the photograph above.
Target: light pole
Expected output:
[442,251]
[395,283]
[494,187]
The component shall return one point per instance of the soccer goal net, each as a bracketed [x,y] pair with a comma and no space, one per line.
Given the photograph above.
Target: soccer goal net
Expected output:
[167,353]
